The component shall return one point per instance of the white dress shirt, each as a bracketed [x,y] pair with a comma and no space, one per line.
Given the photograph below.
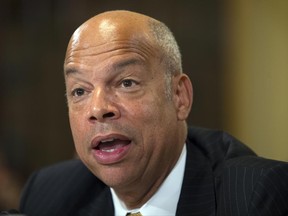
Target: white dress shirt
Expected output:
[164,201]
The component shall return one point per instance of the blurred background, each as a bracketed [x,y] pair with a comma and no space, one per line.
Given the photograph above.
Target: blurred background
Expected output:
[236,53]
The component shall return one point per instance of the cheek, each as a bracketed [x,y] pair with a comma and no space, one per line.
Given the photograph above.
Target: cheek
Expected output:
[77,129]
[150,115]
[141,112]
[74,121]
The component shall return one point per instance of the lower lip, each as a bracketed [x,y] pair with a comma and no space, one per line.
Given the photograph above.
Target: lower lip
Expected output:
[106,158]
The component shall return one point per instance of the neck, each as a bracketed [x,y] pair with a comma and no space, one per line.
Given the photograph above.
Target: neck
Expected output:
[137,195]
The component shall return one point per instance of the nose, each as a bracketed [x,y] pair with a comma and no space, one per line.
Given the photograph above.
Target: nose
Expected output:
[102,107]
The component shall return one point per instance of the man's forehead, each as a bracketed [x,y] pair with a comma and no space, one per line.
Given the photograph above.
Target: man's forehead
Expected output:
[107,27]
[108,36]
[108,33]
[111,67]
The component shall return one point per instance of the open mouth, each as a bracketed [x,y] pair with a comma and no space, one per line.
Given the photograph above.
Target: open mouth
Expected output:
[110,145]
[110,149]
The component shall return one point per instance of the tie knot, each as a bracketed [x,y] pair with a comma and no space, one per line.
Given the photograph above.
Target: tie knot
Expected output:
[133,214]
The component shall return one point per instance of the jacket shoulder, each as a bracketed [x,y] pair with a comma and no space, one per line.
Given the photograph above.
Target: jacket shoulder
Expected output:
[217,146]
[58,189]
[256,186]
[245,184]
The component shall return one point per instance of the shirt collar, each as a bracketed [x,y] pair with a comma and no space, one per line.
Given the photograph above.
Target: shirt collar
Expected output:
[165,200]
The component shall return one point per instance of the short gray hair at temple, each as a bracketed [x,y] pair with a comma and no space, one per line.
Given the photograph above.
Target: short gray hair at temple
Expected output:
[171,56]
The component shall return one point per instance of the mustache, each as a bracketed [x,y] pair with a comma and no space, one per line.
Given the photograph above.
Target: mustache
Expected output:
[114,127]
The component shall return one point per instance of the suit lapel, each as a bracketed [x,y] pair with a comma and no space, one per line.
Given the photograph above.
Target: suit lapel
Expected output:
[197,194]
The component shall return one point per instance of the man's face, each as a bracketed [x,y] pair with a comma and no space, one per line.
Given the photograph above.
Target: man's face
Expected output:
[124,126]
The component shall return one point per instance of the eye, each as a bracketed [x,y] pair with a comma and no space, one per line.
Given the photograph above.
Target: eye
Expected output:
[127,83]
[78,92]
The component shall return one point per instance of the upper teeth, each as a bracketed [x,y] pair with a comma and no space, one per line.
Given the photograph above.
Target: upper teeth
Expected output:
[108,140]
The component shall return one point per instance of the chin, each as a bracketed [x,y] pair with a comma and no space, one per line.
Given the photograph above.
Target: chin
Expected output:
[115,181]
[114,178]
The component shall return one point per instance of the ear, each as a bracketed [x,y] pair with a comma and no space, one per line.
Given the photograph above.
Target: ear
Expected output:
[183,96]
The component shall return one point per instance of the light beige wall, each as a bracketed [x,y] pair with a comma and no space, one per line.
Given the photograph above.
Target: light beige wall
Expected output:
[256,74]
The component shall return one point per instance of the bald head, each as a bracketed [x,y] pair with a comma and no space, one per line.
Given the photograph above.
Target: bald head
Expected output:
[119,25]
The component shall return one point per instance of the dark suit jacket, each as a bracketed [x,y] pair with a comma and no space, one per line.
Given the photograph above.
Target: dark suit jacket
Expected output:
[222,177]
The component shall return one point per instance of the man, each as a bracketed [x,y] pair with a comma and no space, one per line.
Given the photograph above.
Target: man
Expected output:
[128,101]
